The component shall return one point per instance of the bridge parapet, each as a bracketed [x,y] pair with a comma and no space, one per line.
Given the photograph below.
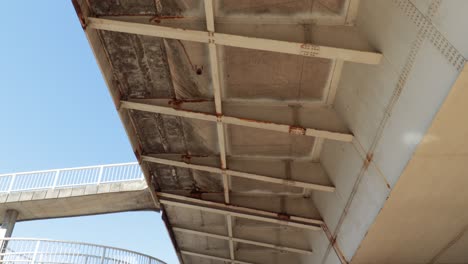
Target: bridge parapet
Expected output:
[70,177]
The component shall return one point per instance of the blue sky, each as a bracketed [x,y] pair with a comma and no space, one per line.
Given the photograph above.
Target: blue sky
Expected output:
[56,112]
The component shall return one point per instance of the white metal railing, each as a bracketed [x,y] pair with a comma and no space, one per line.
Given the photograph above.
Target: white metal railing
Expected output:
[63,178]
[41,251]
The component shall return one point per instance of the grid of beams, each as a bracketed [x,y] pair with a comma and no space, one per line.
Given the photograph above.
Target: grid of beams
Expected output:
[338,55]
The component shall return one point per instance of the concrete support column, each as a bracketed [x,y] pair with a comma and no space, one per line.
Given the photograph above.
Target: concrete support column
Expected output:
[9,221]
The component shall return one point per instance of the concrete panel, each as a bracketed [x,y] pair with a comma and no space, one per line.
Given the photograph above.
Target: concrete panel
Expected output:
[104,188]
[200,260]
[197,220]
[78,191]
[257,254]
[280,8]
[319,243]
[202,244]
[253,141]
[451,20]
[39,195]
[3,197]
[65,193]
[332,258]
[115,187]
[370,196]
[91,189]
[455,252]
[290,205]
[363,96]
[135,185]
[388,29]
[422,5]
[425,90]
[13,197]
[414,226]
[52,193]
[424,215]
[26,196]
[260,74]
[343,164]
[279,235]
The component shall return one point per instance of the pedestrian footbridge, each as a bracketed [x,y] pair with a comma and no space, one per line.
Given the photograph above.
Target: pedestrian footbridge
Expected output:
[75,192]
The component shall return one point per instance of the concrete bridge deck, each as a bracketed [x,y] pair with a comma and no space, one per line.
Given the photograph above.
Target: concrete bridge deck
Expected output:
[75,192]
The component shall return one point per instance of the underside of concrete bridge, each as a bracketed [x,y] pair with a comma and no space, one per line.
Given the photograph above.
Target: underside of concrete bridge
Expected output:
[78,201]
[309,131]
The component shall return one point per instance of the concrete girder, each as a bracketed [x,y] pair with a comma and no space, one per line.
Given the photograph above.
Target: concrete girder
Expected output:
[240,174]
[246,241]
[345,137]
[238,211]
[302,49]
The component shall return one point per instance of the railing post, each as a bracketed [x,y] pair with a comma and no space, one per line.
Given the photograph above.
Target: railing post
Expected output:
[11,183]
[35,252]
[103,257]
[101,170]
[54,185]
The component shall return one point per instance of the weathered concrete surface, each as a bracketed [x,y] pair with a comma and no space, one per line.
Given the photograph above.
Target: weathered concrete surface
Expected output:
[259,85]
[423,220]
[278,7]
[390,108]
[387,107]
[76,201]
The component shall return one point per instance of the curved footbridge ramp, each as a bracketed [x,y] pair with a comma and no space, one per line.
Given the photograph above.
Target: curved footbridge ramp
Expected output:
[75,192]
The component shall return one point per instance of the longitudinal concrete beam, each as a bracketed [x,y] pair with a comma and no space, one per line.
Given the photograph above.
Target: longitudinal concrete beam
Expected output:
[345,137]
[240,174]
[238,211]
[245,241]
[302,49]
[213,54]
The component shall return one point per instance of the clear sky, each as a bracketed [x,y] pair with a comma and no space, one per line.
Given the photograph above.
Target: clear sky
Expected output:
[56,112]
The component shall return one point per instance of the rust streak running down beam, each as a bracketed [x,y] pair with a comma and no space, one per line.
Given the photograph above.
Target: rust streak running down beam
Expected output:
[238,211]
[307,50]
[345,137]
[240,174]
